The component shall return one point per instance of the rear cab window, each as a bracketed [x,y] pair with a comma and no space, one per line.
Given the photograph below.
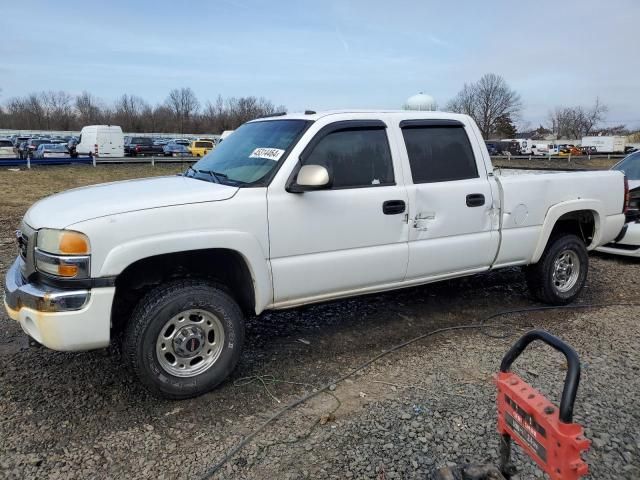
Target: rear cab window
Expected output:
[439,151]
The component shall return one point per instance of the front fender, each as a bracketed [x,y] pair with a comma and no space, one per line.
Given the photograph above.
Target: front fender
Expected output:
[125,254]
[558,210]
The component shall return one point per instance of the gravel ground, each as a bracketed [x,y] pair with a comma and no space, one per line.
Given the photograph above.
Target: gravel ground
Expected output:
[82,415]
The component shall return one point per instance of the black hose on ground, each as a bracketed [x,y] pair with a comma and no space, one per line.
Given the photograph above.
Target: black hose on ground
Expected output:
[481,325]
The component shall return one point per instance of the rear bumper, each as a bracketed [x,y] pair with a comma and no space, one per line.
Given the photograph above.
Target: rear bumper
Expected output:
[63,320]
[628,244]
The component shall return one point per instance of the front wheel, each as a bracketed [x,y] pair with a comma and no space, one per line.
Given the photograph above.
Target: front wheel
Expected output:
[184,338]
[561,272]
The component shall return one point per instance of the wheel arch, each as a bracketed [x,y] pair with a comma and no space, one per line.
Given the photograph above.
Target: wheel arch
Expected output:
[582,217]
[226,267]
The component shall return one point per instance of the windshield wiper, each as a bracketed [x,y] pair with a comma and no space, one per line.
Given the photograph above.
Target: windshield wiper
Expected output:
[215,175]
[190,168]
[219,175]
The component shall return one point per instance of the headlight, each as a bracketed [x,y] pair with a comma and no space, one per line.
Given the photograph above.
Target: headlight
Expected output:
[63,253]
[63,242]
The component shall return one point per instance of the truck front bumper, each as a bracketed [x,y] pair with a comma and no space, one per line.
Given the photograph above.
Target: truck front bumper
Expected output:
[60,319]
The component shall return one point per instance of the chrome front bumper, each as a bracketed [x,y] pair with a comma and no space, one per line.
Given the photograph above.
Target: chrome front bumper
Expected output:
[19,294]
[65,320]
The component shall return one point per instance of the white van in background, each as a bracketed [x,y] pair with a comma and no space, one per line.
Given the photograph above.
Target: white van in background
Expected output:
[540,149]
[101,141]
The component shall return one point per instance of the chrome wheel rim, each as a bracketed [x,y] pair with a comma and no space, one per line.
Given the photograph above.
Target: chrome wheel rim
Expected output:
[190,343]
[566,270]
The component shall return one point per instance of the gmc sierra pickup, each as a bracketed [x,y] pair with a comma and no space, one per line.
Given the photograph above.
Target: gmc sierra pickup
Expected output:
[287,211]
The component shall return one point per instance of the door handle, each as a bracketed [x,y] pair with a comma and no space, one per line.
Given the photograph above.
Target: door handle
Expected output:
[393,207]
[475,200]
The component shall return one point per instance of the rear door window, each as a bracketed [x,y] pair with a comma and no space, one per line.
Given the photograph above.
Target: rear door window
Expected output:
[439,153]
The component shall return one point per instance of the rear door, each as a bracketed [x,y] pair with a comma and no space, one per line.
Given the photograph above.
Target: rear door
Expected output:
[451,222]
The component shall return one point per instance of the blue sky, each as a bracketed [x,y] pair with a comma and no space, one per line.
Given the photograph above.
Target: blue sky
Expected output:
[327,54]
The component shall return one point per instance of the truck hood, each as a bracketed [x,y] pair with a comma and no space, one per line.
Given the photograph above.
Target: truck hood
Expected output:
[64,209]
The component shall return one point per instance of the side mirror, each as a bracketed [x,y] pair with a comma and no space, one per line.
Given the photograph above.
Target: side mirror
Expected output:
[310,177]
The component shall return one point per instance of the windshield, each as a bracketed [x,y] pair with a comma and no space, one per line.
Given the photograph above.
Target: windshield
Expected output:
[630,166]
[252,153]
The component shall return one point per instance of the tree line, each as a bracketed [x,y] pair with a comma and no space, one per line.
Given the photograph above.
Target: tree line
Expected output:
[490,101]
[496,107]
[181,112]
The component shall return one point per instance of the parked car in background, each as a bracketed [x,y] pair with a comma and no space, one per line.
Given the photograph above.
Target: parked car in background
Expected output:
[18,139]
[21,149]
[6,148]
[588,150]
[136,146]
[630,149]
[51,150]
[32,145]
[570,150]
[173,149]
[71,147]
[199,148]
[627,243]
[181,141]
[492,149]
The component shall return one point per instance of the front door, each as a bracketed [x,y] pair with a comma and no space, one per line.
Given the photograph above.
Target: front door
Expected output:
[350,236]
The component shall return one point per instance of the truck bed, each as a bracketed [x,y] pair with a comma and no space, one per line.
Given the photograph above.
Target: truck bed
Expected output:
[528,197]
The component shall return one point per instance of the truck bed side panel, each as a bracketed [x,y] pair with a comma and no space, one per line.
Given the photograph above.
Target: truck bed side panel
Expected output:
[528,198]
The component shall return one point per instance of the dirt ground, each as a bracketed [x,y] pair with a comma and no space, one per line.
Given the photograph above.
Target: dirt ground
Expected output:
[83,415]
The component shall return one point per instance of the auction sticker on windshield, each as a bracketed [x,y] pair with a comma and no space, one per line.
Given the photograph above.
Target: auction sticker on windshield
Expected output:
[268,153]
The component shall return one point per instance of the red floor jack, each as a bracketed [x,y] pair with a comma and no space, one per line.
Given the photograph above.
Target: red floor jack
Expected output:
[545,433]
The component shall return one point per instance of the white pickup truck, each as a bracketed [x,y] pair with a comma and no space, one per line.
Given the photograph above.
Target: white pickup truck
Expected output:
[287,211]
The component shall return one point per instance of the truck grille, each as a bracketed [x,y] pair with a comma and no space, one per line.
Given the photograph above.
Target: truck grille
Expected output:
[25,238]
[23,244]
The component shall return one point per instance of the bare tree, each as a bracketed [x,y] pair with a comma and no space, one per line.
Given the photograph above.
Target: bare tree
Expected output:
[129,113]
[57,109]
[486,101]
[88,109]
[183,103]
[576,122]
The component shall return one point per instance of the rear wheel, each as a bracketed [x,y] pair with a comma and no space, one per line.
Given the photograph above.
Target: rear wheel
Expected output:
[184,338]
[561,272]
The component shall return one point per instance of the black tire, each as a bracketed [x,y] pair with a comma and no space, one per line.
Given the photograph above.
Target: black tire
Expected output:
[540,276]
[148,321]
